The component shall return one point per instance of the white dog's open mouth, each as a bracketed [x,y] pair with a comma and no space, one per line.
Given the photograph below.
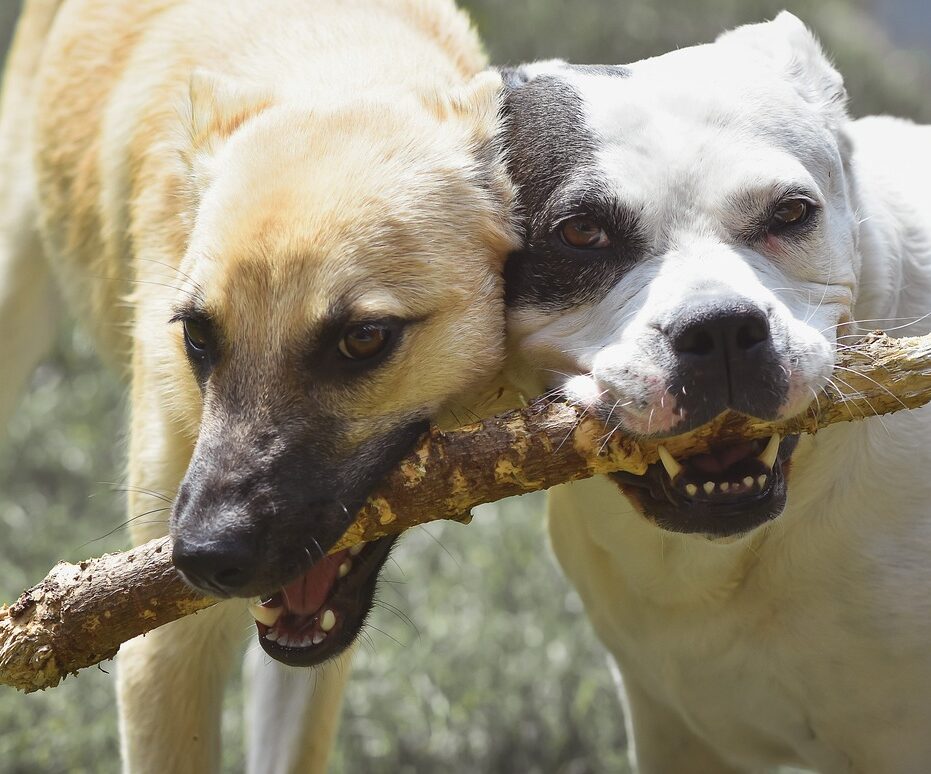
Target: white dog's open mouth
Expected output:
[319,614]
[730,490]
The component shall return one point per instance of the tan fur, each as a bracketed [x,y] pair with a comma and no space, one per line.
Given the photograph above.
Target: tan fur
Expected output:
[271,159]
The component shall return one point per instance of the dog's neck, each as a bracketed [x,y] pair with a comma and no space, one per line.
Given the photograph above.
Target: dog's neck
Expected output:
[895,253]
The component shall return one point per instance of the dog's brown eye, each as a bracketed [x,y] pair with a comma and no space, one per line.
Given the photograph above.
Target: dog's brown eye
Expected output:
[365,341]
[791,212]
[583,234]
[196,336]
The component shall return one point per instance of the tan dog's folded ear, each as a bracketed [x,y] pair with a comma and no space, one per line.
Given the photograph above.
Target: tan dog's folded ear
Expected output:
[219,105]
[795,49]
[476,103]
[476,110]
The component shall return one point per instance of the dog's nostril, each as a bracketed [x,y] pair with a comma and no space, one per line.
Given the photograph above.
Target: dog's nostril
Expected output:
[727,330]
[217,566]
[754,331]
[695,341]
[232,577]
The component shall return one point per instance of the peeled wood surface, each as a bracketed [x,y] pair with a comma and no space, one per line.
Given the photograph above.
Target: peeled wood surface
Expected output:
[80,614]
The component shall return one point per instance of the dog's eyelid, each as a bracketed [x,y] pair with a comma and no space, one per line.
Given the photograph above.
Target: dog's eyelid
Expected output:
[191,314]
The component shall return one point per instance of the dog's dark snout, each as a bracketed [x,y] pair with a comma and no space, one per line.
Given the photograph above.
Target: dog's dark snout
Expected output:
[728,332]
[725,358]
[223,566]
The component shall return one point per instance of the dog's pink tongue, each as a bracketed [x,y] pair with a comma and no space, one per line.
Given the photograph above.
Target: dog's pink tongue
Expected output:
[720,461]
[306,595]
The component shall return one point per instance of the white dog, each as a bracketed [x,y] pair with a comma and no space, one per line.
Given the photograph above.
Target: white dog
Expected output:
[705,230]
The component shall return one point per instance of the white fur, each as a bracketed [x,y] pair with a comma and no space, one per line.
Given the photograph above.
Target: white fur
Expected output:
[806,642]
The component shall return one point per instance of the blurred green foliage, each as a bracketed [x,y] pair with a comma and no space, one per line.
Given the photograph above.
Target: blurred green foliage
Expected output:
[479,658]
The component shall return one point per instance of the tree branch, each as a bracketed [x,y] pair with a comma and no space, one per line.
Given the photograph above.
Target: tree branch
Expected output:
[80,614]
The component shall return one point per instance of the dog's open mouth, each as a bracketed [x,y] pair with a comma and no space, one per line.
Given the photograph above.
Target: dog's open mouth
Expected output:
[728,491]
[319,614]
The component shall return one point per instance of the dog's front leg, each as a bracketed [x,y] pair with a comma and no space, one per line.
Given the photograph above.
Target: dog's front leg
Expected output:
[661,743]
[171,681]
[292,714]
[170,690]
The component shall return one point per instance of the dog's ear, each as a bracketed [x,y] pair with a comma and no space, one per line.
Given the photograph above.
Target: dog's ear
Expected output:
[475,109]
[216,106]
[790,45]
[219,105]
[476,103]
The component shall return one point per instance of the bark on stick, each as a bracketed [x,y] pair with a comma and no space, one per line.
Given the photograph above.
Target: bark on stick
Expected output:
[79,615]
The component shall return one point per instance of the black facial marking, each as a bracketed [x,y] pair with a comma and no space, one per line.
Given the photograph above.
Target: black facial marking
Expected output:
[551,156]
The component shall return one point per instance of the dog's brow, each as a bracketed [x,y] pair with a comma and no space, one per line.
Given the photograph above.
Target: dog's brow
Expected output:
[192,309]
[753,206]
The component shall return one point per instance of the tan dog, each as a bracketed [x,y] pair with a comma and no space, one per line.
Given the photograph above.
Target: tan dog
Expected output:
[307,200]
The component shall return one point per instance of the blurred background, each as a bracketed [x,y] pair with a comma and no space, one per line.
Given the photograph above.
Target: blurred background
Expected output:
[478,658]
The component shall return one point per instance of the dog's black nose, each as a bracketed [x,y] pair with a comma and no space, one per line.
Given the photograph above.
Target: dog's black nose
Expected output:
[219,567]
[726,358]
[725,333]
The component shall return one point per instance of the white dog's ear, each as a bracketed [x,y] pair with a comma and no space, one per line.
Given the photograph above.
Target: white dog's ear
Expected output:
[794,48]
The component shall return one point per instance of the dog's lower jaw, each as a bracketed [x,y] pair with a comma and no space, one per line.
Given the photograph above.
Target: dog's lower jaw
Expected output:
[753,492]
[301,632]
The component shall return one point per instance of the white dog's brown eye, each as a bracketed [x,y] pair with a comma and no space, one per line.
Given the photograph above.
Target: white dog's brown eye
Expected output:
[365,341]
[791,212]
[583,234]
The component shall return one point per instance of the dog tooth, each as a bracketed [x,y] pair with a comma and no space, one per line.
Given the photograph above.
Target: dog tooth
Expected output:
[284,640]
[691,489]
[344,568]
[673,468]
[318,638]
[748,481]
[761,480]
[356,549]
[272,634]
[768,457]
[307,641]
[708,487]
[725,486]
[327,620]
[265,615]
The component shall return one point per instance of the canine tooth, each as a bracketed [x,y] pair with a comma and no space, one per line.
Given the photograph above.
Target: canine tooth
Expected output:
[356,549]
[272,634]
[673,468]
[284,640]
[318,638]
[725,486]
[761,480]
[306,642]
[768,457]
[708,487]
[748,481]
[691,489]
[265,615]
[344,568]
[327,620]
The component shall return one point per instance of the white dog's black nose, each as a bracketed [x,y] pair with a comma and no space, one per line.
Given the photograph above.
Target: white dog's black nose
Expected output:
[725,359]
[722,333]
[222,567]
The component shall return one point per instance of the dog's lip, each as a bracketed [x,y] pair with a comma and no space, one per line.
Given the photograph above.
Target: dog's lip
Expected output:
[716,500]
[300,636]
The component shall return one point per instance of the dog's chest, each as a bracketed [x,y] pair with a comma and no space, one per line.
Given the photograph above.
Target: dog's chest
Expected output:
[773,670]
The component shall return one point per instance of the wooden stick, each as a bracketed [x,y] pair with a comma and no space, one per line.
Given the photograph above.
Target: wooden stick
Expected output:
[80,614]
